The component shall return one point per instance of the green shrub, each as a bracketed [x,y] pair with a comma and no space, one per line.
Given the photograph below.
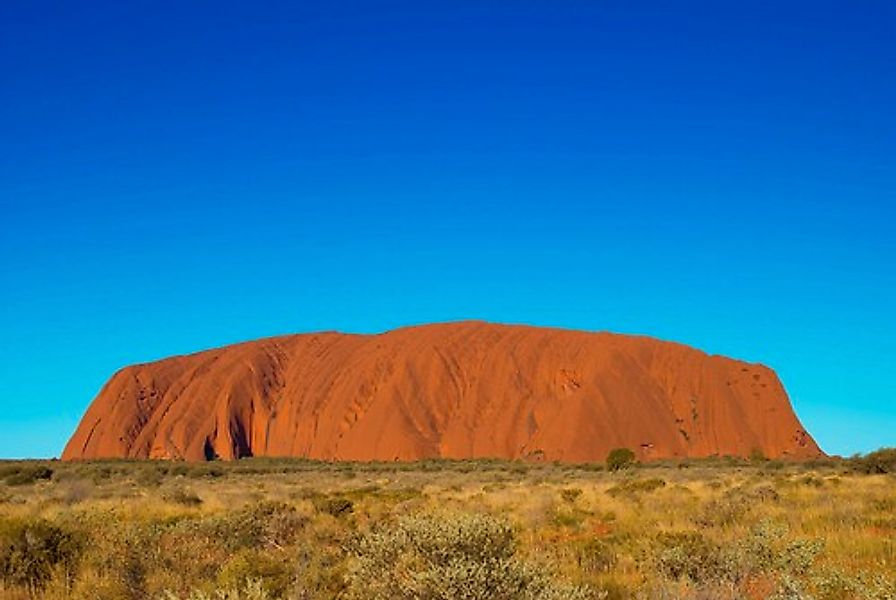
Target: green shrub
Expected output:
[620,458]
[265,568]
[570,494]
[687,555]
[252,590]
[179,495]
[613,588]
[831,584]
[28,474]
[119,553]
[149,476]
[568,517]
[596,556]
[444,557]
[636,486]
[206,471]
[31,551]
[767,549]
[757,456]
[179,470]
[879,461]
[266,524]
[734,506]
[336,506]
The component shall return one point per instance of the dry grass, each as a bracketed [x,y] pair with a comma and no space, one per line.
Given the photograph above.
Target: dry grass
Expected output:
[288,529]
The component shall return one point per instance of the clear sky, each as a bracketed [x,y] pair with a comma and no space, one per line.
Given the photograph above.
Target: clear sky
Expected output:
[180,175]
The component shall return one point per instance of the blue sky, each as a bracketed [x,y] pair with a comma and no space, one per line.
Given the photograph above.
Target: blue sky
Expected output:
[176,177]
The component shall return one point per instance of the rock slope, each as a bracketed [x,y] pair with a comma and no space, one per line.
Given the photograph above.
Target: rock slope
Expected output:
[454,390]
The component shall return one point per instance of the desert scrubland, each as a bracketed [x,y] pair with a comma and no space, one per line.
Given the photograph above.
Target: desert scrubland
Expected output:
[288,529]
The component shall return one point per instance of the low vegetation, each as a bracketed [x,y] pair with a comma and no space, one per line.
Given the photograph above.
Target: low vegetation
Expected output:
[880,461]
[262,529]
[620,458]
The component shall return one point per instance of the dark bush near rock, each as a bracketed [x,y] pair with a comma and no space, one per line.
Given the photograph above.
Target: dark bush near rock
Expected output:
[620,458]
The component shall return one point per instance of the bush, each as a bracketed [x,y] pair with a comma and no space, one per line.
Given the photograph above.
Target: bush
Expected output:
[687,555]
[149,476]
[831,584]
[30,552]
[334,505]
[620,458]
[570,494]
[596,556]
[179,495]
[757,456]
[265,524]
[879,461]
[28,474]
[466,556]
[767,549]
[118,559]
[253,590]
[636,486]
[263,568]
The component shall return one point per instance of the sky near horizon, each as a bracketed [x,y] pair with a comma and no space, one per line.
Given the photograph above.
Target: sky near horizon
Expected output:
[181,175]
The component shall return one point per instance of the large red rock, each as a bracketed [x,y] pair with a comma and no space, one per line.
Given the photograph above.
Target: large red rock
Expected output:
[455,390]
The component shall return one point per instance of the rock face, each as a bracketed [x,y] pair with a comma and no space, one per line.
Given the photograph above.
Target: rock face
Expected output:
[455,390]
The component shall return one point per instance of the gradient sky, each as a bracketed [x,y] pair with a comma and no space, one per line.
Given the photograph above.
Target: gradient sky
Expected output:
[176,177]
